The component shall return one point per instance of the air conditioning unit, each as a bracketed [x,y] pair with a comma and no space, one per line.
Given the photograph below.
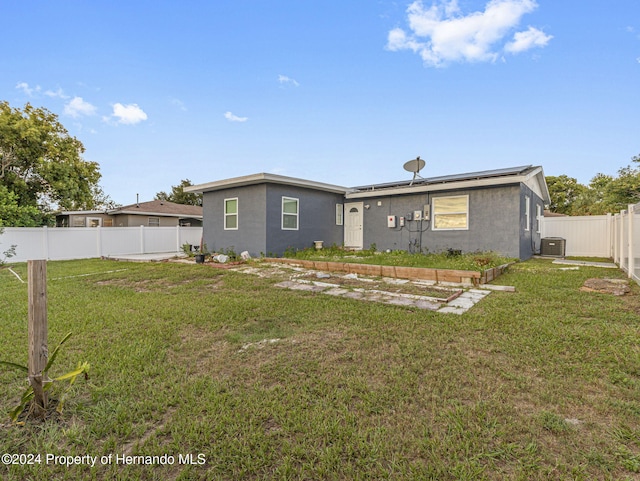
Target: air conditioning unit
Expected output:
[553,246]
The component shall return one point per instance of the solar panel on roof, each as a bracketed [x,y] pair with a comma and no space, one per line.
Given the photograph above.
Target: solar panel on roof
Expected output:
[451,178]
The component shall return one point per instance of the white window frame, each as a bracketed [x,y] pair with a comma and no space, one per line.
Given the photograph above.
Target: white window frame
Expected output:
[435,214]
[527,213]
[296,215]
[156,222]
[232,214]
[339,214]
[539,216]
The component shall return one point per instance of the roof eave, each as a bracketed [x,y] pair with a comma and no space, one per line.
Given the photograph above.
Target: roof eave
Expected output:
[262,178]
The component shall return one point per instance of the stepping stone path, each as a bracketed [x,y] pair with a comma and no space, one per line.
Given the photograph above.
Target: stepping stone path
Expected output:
[461,304]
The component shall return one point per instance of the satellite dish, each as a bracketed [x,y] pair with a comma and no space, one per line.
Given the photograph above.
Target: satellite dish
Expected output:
[414,166]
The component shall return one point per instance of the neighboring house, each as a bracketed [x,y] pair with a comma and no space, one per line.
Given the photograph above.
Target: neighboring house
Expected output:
[495,210]
[155,213]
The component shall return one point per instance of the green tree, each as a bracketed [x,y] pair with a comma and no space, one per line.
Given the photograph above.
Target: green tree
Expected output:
[624,189]
[14,215]
[604,194]
[41,164]
[563,191]
[179,196]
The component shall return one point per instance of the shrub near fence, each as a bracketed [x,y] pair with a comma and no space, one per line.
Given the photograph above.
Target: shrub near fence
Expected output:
[84,242]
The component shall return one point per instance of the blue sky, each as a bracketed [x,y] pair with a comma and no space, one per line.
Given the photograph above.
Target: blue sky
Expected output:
[332,91]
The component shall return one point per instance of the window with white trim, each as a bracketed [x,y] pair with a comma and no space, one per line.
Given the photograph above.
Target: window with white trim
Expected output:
[231,214]
[339,214]
[527,212]
[289,213]
[154,221]
[451,213]
[538,217]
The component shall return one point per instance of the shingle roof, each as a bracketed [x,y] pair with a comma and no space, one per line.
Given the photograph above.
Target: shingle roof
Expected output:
[160,207]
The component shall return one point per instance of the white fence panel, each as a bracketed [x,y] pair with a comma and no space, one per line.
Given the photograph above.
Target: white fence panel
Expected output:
[120,241]
[84,243]
[29,241]
[166,242]
[634,241]
[78,243]
[589,236]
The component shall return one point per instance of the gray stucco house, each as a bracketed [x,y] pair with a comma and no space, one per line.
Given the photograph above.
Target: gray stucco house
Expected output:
[494,210]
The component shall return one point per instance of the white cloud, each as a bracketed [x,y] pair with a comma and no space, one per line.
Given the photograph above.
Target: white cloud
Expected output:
[59,93]
[284,80]
[24,86]
[128,114]
[78,107]
[179,104]
[441,34]
[528,39]
[234,118]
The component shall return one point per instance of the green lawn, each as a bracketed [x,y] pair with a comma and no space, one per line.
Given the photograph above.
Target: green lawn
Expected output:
[472,261]
[539,384]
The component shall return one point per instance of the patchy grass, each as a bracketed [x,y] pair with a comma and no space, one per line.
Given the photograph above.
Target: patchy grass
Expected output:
[473,261]
[534,385]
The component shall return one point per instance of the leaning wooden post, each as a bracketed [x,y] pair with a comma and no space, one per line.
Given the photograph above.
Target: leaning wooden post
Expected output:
[38,352]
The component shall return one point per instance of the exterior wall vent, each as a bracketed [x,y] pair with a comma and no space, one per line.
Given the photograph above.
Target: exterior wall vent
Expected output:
[553,246]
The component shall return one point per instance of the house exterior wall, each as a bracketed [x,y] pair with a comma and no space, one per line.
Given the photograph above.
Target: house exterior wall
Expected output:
[130,220]
[251,233]
[494,222]
[260,219]
[316,218]
[530,233]
[79,220]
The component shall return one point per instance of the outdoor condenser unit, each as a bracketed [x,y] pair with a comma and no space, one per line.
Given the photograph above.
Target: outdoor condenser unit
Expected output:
[553,246]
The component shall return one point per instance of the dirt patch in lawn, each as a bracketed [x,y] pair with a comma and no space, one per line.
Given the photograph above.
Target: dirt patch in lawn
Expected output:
[617,287]
[155,285]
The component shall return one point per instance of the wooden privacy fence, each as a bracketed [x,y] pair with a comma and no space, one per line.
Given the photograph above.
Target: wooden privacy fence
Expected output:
[64,243]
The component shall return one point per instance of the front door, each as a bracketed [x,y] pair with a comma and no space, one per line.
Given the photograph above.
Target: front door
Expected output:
[353,225]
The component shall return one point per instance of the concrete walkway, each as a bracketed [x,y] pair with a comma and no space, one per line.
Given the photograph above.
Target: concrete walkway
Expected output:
[156,257]
[608,265]
[459,305]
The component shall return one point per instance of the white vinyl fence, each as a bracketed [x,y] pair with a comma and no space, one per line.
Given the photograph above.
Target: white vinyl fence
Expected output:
[615,236]
[586,236]
[626,241]
[84,242]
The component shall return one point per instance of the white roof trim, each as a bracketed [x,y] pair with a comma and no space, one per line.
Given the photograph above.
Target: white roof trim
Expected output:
[265,178]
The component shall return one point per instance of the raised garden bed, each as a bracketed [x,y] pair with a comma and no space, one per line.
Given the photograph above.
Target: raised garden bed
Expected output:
[412,273]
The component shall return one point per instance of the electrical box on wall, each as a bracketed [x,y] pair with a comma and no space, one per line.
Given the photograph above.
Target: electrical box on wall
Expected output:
[417,215]
[426,211]
[401,221]
[391,221]
[409,216]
